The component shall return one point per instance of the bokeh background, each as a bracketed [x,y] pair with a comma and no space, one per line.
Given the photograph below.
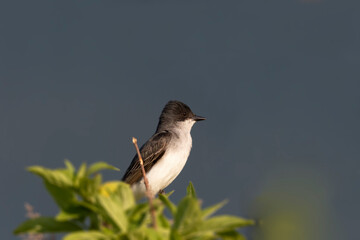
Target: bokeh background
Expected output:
[279,83]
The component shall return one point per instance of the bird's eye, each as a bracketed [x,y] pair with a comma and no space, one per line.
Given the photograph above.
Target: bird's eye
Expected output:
[184,114]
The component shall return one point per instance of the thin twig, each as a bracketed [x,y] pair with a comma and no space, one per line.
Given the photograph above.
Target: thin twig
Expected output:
[147,186]
[31,214]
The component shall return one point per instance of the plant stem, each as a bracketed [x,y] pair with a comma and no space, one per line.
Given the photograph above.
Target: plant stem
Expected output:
[147,186]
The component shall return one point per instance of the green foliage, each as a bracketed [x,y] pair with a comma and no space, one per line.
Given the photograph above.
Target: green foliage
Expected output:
[92,210]
[46,224]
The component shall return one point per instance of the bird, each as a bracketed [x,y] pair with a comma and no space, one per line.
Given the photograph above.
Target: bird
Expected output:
[166,152]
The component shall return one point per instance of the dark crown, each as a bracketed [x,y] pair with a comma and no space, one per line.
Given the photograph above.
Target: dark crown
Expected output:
[176,111]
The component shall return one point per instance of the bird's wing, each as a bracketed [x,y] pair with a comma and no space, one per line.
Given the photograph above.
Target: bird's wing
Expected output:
[151,152]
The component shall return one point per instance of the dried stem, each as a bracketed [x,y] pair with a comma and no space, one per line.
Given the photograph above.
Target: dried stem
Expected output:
[147,186]
[31,214]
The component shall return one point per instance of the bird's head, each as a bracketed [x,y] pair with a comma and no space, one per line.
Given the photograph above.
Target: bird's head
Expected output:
[175,113]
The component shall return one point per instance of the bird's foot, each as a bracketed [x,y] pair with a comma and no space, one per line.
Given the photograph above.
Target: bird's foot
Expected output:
[161,191]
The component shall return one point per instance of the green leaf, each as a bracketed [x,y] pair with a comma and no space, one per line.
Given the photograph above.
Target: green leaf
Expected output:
[95,167]
[120,190]
[111,208]
[55,177]
[190,190]
[109,211]
[159,234]
[163,221]
[147,234]
[45,225]
[230,235]
[188,213]
[138,214]
[169,193]
[89,188]
[212,209]
[95,222]
[90,235]
[81,174]
[69,167]
[63,197]
[224,222]
[175,235]
[166,201]
[66,216]
[88,206]
[97,181]
[125,194]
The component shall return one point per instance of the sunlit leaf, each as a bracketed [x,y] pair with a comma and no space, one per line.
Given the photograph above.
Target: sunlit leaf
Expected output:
[212,209]
[87,205]
[46,224]
[108,188]
[175,235]
[55,177]
[159,234]
[80,174]
[163,221]
[190,190]
[165,200]
[89,235]
[112,209]
[64,197]
[224,222]
[125,195]
[95,167]
[97,181]
[89,187]
[188,214]
[230,235]
[146,234]
[169,193]
[109,211]
[138,214]
[69,167]
[65,216]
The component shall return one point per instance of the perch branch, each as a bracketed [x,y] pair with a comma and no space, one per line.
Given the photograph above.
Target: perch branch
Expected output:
[148,192]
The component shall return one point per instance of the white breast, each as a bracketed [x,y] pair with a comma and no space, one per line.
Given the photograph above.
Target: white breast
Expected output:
[171,164]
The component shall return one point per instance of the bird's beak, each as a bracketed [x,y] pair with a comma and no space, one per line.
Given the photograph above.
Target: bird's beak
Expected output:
[198,118]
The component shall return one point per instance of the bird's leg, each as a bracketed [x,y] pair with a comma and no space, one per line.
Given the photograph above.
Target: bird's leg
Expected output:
[161,191]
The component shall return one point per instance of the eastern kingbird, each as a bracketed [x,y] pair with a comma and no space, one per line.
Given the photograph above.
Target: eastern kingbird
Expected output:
[166,152]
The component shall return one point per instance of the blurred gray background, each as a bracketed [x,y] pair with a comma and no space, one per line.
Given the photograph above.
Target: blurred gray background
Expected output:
[277,80]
